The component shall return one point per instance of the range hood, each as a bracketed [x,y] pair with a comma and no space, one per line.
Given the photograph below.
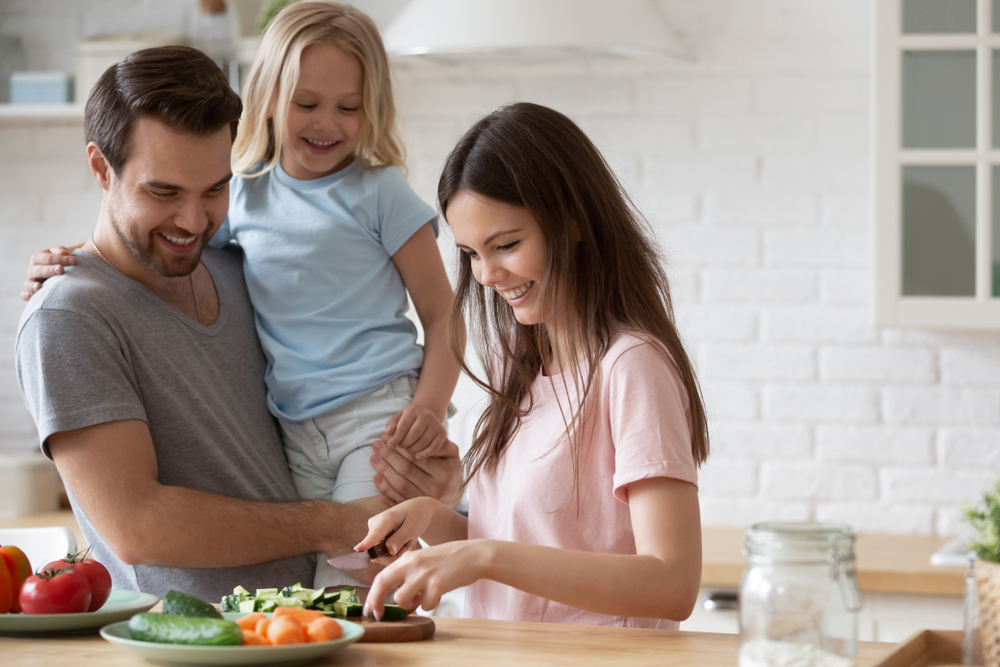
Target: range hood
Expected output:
[530,30]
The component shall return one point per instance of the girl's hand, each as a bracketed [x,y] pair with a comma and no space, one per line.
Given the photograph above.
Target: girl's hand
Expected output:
[421,577]
[400,525]
[44,264]
[399,477]
[417,429]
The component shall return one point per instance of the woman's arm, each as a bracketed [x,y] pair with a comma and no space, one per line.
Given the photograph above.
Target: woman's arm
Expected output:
[660,581]
[419,427]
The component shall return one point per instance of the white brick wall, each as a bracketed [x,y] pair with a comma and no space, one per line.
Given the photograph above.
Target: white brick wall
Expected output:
[752,165]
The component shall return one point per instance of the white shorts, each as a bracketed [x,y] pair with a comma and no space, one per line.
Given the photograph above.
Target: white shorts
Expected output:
[328,455]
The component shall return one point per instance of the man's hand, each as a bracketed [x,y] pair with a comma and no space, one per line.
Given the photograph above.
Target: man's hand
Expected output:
[401,477]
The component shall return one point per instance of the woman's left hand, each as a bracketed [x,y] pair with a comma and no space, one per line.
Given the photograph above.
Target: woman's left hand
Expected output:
[421,577]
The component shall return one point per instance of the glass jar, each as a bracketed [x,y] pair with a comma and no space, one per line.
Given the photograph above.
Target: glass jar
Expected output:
[799,600]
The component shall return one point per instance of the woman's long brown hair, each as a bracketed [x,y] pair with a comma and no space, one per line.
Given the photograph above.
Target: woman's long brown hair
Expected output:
[602,262]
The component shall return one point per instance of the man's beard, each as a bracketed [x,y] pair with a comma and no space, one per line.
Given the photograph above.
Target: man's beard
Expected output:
[145,249]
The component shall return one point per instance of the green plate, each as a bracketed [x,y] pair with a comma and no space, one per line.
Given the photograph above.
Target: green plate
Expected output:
[120,605]
[180,654]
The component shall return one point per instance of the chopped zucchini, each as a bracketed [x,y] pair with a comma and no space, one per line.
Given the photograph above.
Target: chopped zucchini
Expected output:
[348,609]
[289,602]
[393,612]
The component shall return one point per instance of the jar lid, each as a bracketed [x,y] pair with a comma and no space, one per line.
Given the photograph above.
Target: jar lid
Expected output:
[800,541]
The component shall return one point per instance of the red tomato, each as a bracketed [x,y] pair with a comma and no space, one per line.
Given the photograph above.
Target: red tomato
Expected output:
[97,575]
[19,568]
[6,588]
[55,592]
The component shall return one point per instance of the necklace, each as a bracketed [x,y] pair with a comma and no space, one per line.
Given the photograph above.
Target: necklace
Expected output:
[194,293]
[99,253]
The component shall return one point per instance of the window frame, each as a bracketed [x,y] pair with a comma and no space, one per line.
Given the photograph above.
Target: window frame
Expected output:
[892,309]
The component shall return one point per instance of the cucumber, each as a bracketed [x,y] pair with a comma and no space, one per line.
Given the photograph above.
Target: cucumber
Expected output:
[170,629]
[290,602]
[393,612]
[347,609]
[268,599]
[176,603]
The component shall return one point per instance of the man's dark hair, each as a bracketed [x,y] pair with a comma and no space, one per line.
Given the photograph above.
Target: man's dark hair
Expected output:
[179,86]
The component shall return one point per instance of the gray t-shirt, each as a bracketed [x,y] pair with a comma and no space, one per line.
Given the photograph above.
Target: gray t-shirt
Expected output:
[94,346]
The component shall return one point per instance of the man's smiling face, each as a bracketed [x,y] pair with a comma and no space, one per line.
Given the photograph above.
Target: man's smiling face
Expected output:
[171,195]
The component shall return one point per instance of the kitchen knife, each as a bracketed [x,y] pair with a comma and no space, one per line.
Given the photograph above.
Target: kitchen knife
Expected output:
[360,559]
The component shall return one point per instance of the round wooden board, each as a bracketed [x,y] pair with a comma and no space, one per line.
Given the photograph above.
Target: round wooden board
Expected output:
[414,629]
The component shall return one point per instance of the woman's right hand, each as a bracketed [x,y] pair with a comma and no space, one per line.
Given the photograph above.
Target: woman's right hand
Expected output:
[45,264]
[399,525]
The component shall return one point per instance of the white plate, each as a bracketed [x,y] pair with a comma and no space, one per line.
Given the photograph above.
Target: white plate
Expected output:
[121,605]
[181,654]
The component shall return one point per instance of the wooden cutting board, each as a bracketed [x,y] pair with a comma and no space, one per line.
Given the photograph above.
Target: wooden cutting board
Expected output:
[414,629]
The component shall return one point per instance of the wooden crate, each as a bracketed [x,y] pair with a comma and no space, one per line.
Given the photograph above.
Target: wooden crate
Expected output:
[927,648]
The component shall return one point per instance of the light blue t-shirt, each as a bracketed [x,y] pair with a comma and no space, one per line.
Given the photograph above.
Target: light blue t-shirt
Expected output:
[330,304]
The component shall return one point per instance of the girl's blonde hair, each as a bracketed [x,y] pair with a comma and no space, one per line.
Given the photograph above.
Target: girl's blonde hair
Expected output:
[275,72]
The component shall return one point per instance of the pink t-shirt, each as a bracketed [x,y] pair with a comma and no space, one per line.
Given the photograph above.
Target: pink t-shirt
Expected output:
[641,429]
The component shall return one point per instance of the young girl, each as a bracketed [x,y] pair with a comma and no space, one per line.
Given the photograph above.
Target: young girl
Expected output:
[583,497]
[333,239]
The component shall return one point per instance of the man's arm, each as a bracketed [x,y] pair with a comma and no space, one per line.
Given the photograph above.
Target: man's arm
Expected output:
[111,470]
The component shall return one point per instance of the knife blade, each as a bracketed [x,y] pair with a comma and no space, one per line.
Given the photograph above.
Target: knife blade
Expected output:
[360,559]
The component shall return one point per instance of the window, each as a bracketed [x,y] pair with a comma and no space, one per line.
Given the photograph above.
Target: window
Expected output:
[937,163]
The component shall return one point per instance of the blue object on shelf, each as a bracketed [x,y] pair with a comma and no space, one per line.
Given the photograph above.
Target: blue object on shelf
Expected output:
[41,88]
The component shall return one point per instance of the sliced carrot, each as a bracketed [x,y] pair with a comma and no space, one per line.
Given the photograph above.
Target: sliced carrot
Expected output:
[323,630]
[249,622]
[285,630]
[261,627]
[303,616]
[251,638]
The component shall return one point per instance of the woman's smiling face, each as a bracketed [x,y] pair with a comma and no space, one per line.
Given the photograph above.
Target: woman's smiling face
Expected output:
[506,249]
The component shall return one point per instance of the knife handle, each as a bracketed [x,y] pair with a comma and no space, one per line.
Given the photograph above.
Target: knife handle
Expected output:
[379,551]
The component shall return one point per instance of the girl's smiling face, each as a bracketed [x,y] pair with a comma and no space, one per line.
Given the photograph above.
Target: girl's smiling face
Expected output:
[506,249]
[325,116]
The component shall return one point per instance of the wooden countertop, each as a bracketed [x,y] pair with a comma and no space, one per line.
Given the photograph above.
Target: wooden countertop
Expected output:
[884,563]
[463,642]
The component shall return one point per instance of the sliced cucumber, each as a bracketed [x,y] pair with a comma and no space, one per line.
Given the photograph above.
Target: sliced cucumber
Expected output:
[348,609]
[393,612]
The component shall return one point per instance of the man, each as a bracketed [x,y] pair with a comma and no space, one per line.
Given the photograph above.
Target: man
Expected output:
[142,369]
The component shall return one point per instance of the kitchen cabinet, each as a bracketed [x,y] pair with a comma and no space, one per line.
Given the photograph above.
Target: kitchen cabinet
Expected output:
[936,108]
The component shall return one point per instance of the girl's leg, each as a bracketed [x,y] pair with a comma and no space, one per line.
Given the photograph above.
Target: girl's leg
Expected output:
[307,453]
[352,451]
[314,450]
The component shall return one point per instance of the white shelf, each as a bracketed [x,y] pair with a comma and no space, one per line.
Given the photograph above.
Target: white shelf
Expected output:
[41,114]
